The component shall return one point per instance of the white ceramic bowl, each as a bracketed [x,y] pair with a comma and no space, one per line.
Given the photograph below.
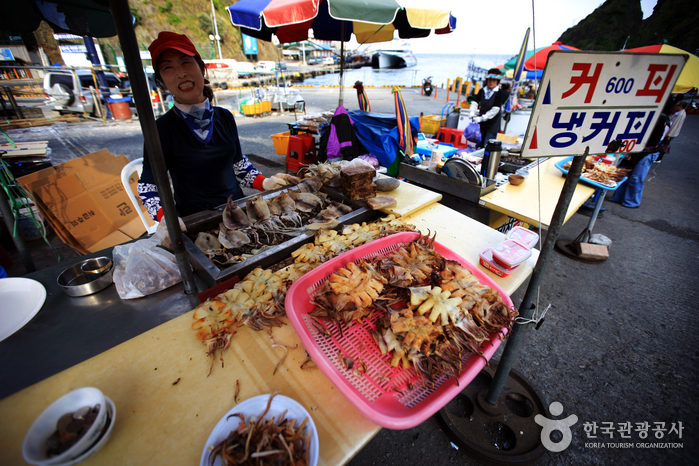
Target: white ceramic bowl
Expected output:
[255,407]
[34,448]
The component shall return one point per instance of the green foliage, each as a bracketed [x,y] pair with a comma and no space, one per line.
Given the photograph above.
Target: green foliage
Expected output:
[173,19]
[166,8]
[205,23]
[619,22]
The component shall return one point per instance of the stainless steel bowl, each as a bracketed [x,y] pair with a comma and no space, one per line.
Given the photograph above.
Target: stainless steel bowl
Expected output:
[77,281]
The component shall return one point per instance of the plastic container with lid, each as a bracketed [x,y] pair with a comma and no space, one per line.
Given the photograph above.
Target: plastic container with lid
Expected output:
[487,261]
[526,238]
[509,254]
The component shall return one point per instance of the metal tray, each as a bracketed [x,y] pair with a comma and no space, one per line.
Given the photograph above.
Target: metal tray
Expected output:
[209,272]
[595,184]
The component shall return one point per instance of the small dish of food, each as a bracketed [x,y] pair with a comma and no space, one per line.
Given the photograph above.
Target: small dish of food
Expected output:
[298,437]
[67,428]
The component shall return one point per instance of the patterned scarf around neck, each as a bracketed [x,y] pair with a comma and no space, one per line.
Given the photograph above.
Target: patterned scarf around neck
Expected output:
[199,120]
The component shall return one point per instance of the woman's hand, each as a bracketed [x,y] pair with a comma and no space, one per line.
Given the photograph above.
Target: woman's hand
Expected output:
[279,180]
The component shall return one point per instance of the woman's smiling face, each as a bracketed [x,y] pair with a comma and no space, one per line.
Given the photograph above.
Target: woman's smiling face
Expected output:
[182,76]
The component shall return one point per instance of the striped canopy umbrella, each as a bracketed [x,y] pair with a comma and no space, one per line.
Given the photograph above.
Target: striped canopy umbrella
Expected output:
[369,20]
[518,71]
[537,61]
[364,104]
[405,137]
[689,78]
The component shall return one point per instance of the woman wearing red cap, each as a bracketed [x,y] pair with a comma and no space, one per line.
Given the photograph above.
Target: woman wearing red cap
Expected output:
[200,142]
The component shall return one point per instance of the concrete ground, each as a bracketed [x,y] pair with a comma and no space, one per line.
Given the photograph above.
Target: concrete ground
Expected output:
[619,343]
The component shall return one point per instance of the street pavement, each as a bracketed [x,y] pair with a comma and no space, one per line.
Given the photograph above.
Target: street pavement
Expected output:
[619,343]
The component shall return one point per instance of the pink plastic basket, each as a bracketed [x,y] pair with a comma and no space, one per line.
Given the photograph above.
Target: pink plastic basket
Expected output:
[382,393]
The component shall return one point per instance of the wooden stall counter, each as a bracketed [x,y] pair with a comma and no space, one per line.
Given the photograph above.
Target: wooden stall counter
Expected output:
[522,202]
[167,405]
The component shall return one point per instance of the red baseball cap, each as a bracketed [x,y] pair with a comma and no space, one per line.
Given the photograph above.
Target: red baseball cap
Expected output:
[170,40]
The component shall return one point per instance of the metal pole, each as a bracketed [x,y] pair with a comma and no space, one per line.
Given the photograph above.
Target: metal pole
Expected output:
[216,36]
[526,309]
[134,66]
[17,239]
[342,61]
[11,98]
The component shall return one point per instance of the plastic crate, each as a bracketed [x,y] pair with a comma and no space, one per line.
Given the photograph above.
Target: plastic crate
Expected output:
[447,150]
[431,124]
[281,143]
[248,109]
[373,394]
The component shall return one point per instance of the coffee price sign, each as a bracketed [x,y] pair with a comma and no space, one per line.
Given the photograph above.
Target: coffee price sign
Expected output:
[592,99]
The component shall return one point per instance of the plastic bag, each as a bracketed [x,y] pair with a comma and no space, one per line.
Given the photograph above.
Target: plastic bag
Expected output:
[143,267]
[472,132]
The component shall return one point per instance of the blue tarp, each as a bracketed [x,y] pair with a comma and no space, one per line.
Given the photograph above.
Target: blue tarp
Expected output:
[379,133]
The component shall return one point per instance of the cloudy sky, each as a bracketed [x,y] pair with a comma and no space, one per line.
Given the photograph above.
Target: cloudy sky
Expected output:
[498,27]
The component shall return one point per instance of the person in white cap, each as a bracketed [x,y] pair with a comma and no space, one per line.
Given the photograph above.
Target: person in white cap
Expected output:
[490,101]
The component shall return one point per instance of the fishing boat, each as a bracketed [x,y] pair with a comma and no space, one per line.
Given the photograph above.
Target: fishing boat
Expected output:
[399,57]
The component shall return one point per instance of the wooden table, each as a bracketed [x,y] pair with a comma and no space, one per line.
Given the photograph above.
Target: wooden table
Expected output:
[167,406]
[533,201]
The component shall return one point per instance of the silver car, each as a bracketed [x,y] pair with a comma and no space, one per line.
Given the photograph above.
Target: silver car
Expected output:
[66,95]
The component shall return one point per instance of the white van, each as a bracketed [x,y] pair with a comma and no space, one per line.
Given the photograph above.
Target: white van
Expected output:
[66,95]
[265,66]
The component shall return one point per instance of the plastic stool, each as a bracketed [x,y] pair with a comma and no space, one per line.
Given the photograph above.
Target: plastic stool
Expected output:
[451,136]
[301,152]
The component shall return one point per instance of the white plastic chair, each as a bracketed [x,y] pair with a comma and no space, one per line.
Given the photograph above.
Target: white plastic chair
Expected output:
[131,167]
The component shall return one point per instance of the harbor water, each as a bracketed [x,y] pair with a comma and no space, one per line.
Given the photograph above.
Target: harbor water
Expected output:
[441,67]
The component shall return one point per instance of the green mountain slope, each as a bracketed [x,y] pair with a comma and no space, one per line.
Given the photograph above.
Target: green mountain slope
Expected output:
[620,22]
[193,18]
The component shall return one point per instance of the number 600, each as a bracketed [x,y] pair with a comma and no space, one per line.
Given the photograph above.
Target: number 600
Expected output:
[622,85]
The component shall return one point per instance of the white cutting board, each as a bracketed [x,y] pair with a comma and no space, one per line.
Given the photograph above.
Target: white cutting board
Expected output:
[409,198]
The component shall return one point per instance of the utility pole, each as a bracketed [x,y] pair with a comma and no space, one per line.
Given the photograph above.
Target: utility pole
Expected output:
[216,36]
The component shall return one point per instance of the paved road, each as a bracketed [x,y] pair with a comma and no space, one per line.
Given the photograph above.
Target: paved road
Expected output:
[619,343]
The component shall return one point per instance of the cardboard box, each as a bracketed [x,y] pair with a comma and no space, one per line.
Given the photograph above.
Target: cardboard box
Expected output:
[85,202]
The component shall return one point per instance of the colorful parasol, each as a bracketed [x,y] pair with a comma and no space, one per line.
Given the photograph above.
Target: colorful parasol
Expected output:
[405,137]
[537,61]
[517,73]
[370,21]
[364,104]
[689,78]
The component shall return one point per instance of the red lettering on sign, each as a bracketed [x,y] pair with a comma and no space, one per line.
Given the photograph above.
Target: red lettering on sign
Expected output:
[584,78]
[534,144]
[655,81]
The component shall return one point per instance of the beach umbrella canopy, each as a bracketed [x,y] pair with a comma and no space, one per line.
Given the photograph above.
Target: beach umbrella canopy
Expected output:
[537,61]
[517,72]
[510,64]
[370,21]
[405,137]
[364,104]
[80,17]
[689,78]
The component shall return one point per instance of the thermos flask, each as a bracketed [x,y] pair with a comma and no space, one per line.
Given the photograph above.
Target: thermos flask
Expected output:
[491,158]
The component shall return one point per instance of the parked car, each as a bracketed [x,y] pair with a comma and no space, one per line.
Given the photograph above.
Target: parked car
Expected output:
[328,61]
[66,95]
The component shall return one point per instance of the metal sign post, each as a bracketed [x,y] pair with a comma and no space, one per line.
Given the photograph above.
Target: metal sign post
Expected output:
[588,103]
